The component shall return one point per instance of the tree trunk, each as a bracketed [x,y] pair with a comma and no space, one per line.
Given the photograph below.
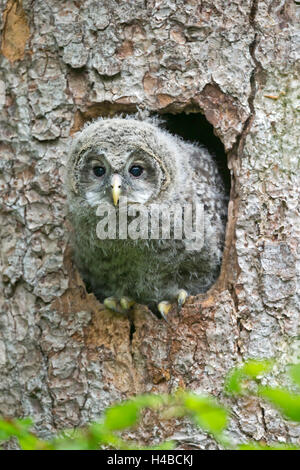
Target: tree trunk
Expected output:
[63,358]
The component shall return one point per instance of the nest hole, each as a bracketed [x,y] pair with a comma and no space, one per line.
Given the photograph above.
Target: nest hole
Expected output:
[195,128]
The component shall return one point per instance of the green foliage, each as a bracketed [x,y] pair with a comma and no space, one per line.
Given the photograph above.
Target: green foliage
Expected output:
[19,428]
[257,446]
[288,403]
[206,412]
[122,416]
[237,379]
[295,373]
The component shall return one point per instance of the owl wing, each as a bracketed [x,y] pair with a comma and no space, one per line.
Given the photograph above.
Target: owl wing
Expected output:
[210,194]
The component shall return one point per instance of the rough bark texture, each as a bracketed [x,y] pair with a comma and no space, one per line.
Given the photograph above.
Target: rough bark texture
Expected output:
[63,358]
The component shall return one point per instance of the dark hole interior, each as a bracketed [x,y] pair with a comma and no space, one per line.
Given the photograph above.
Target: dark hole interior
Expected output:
[194,127]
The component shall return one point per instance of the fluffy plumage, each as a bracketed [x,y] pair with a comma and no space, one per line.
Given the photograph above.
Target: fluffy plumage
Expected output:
[174,172]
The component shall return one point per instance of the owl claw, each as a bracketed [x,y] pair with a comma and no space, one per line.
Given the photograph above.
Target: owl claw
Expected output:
[112,303]
[181,298]
[126,303]
[119,306]
[164,307]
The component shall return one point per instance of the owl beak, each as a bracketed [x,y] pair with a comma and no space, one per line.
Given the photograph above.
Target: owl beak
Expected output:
[116,182]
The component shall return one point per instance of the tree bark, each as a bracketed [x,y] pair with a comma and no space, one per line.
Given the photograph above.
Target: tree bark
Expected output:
[63,358]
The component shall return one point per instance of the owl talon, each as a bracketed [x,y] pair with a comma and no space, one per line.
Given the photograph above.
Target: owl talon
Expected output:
[164,307]
[126,303]
[112,303]
[181,298]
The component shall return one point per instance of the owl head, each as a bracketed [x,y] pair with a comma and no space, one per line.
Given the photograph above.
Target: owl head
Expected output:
[124,157]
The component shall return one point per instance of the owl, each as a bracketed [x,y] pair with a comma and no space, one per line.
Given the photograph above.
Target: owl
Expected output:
[141,163]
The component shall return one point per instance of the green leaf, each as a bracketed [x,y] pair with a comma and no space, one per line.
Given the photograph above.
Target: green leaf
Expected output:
[122,416]
[14,427]
[295,373]
[288,403]
[151,401]
[257,446]
[214,421]
[127,413]
[254,368]
[31,442]
[19,428]
[251,369]
[207,413]
[72,444]
[233,382]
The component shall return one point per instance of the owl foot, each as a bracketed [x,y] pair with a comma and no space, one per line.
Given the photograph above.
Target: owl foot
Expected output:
[181,298]
[126,303]
[119,306]
[164,307]
[112,303]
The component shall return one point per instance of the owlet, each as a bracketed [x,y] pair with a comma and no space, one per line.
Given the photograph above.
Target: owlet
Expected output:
[163,203]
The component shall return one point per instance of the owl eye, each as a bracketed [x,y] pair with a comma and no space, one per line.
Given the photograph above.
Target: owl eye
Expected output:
[136,170]
[99,171]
